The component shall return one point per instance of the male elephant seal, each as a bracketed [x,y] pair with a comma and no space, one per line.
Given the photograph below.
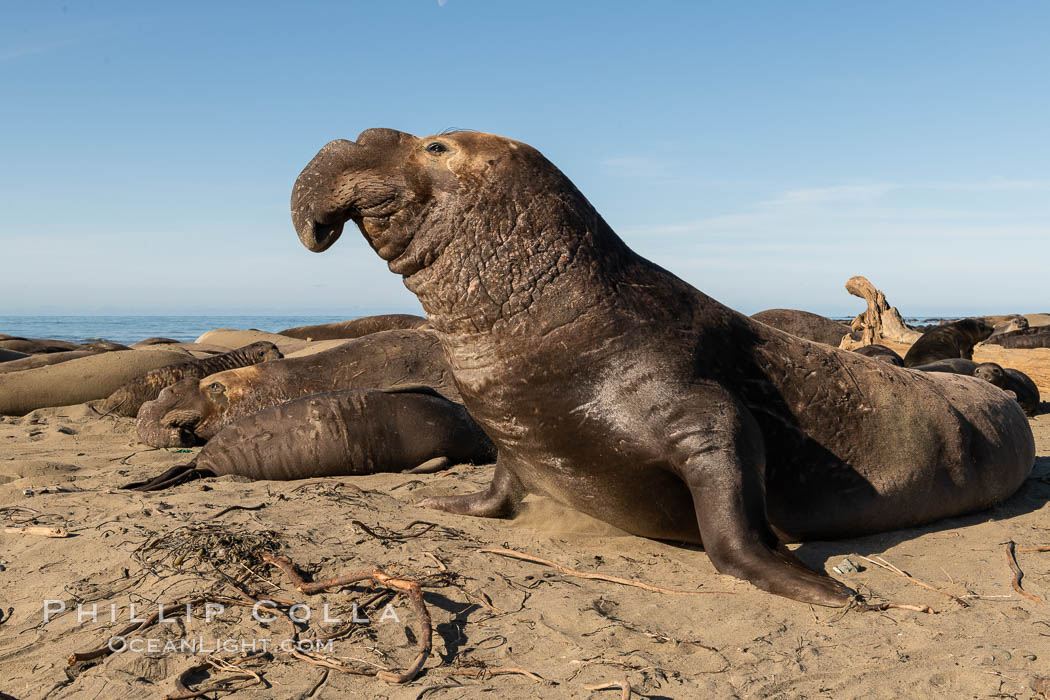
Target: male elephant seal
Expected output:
[127,400]
[616,388]
[947,341]
[804,324]
[881,352]
[342,433]
[355,328]
[189,411]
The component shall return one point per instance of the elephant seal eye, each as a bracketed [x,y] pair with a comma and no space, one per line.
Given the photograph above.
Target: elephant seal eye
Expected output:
[436,147]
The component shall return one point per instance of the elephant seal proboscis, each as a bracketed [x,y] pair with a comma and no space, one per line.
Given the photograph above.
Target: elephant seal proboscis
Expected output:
[950,340]
[189,412]
[127,400]
[616,388]
[357,327]
[805,324]
[881,352]
[341,433]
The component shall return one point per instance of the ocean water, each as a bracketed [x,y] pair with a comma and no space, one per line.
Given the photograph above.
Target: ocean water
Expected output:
[131,329]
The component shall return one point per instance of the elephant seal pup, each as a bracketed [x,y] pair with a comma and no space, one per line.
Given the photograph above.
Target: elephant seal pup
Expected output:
[356,328]
[958,365]
[881,352]
[127,400]
[1034,337]
[342,433]
[1009,325]
[1015,382]
[190,412]
[947,341]
[614,387]
[805,325]
[1023,387]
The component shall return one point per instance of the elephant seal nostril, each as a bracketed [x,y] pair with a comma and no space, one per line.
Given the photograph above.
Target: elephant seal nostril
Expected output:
[319,237]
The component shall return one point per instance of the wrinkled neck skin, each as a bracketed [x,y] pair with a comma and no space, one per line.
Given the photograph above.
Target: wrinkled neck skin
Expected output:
[504,283]
[493,274]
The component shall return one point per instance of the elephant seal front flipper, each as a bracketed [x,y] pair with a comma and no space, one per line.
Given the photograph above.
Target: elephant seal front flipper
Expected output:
[499,500]
[173,477]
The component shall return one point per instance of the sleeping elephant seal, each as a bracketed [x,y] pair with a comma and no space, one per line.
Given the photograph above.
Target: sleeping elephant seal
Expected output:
[357,327]
[805,325]
[881,352]
[1023,387]
[95,376]
[44,359]
[958,365]
[616,388]
[34,346]
[1017,383]
[104,346]
[12,355]
[154,341]
[341,433]
[947,341]
[233,338]
[127,400]
[1034,337]
[189,411]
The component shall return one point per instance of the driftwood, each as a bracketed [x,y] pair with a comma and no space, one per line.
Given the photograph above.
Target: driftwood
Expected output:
[880,322]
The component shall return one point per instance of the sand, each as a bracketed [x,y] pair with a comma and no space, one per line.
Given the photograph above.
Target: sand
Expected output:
[61,467]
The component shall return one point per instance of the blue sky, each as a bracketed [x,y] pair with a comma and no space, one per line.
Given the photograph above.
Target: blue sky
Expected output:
[763,151]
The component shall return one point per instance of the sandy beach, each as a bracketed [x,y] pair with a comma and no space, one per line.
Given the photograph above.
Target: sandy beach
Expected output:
[514,628]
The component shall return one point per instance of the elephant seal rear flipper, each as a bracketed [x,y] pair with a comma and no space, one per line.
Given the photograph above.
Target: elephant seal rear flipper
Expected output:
[173,477]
